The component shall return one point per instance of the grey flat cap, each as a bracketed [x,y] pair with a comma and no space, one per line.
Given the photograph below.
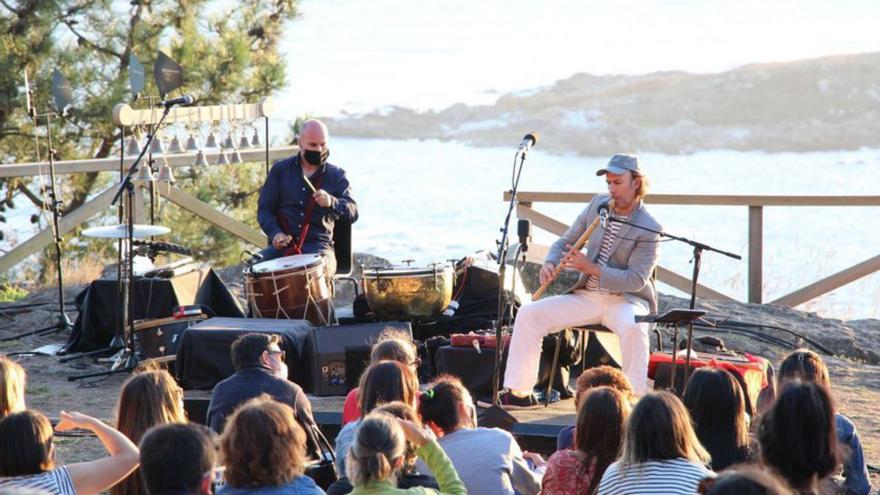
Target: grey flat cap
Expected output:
[619,164]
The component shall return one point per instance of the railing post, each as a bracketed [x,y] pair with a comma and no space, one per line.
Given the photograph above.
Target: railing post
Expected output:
[756,253]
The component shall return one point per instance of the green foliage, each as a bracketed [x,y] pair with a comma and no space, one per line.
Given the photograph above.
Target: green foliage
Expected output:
[229,51]
[10,293]
[295,129]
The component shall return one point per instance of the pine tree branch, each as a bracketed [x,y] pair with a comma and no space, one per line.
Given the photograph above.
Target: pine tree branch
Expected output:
[10,8]
[76,9]
[85,41]
[36,200]
[129,42]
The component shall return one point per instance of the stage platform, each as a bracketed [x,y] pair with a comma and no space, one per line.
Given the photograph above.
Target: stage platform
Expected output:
[535,429]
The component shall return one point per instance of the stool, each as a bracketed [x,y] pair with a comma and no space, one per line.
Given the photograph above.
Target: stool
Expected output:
[582,343]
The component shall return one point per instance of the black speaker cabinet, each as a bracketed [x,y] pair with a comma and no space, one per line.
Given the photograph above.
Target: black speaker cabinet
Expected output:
[357,358]
[325,354]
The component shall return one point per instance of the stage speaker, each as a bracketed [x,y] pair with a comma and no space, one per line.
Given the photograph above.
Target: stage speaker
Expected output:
[325,354]
[357,358]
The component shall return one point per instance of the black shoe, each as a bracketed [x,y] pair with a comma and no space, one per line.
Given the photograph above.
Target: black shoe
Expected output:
[509,401]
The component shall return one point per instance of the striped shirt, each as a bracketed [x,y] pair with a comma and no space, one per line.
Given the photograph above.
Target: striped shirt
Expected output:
[669,477]
[55,482]
[611,229]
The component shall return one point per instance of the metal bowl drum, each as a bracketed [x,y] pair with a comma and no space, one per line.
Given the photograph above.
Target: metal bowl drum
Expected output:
[408,293]
[292,287]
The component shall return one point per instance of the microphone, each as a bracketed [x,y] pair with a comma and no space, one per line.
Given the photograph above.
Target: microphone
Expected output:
[185,100]
[524,231]
[154,247]
[603,213]
[528,141]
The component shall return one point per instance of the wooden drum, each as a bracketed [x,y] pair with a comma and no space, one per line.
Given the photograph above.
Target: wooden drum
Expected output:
[292,287]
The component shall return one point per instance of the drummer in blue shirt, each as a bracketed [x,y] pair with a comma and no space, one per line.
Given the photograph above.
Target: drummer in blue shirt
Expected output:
[302,199]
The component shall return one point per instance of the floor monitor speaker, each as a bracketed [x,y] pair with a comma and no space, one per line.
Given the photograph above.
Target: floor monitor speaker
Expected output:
[325,354]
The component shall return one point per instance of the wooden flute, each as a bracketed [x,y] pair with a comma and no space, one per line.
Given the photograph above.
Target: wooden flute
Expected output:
[582,240]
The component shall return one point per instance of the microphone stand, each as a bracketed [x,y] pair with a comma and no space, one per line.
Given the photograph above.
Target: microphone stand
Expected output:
[699,247]
[117,343]
[505,304]
[128,360]
[63,322]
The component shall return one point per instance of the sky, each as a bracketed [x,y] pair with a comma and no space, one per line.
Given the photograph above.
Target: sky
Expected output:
[357,55]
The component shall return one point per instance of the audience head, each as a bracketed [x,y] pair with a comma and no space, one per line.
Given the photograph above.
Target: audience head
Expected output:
[658,429]
[745,479]
[797,436]
[263,445]
[395,345]
[12,380]
[601,421]
[257,349]
[148,398]
[377,451]
[803,365]
[447,406]
[177,458]
[27,442]
[603,376]
[718,409]
[400,410]
[387,381]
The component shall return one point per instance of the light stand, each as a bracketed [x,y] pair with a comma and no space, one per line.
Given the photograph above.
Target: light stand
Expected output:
[505,305]
[128,361]
[699,247]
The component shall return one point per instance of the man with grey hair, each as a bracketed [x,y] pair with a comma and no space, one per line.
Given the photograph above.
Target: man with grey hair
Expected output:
[615,284]
[302,199]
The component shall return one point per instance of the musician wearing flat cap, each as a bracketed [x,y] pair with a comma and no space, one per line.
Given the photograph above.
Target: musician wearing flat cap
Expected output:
[615,283]
[302,199]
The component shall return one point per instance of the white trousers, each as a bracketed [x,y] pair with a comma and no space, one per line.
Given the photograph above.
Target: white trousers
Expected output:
[536,320]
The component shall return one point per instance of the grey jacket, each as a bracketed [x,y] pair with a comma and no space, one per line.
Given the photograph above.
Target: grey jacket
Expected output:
[633,255]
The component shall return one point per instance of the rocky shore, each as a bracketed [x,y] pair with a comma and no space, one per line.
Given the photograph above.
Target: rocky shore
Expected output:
[807,105]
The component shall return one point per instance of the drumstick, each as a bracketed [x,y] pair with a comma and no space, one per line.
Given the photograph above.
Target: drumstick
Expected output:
[309,183]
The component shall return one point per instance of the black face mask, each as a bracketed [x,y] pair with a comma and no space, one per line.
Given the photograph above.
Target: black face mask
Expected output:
[316,158]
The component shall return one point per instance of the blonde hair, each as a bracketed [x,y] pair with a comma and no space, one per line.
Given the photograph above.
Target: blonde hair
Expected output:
[644,185]
[378,444]
[394,345]
[13,380]
[660,428]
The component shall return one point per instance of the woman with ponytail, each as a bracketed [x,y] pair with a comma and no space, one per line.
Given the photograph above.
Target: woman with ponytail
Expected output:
[379,451]
[489,460]
[408,475]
